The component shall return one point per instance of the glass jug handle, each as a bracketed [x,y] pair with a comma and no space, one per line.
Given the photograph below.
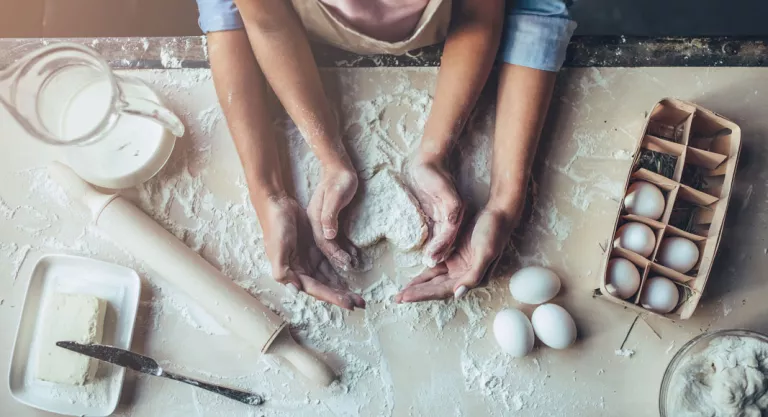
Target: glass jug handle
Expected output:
[151,110]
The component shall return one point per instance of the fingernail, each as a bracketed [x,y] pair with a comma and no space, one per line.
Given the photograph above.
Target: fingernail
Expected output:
[329,233]
[292,288]
[460,292]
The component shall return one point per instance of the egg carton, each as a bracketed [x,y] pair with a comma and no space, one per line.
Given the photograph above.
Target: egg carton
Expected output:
[691,154]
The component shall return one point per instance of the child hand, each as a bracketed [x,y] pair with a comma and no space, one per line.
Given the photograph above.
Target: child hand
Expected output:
[295,259]
[433,187]
[472,263]
[335,191]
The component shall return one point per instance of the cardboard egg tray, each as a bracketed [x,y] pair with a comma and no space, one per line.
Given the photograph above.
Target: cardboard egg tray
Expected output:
[695,152]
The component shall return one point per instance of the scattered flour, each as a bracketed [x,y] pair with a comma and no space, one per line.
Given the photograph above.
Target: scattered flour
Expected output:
[670,348]
[168,59]
[209,118]
[627,353]
[380,132]
[17,254]
[92,395]
[726,309]
[385,209]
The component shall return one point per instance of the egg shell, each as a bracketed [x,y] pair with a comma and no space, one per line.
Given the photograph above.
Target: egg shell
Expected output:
[513,332]
[553,326]
[622,278]
[644,199]
[678,253]
[534,285]
[636,237]
[660,295]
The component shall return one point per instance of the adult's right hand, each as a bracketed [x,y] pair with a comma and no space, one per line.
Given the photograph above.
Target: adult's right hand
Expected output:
[433,186]
[295,258]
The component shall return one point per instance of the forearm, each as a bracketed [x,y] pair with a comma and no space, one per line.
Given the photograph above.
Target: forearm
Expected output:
[468,57]
[523,99]
[282,50]
[242,93]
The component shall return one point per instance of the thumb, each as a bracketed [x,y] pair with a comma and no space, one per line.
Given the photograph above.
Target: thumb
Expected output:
[282,272]
[334,201]
[478,272]
[486,251]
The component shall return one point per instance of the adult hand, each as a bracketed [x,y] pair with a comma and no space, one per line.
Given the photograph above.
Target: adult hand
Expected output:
[433,187]
[472,263]
[296,260]
[336,189]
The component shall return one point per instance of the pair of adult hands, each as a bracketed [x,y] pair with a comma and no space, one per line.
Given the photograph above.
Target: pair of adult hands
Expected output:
[301,244]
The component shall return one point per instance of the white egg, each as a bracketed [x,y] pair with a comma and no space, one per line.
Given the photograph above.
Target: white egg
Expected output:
[678,253]
[644,199]
[553,326]
[622,279]
[513,332]
[636,237]
[660,295]
[534,285]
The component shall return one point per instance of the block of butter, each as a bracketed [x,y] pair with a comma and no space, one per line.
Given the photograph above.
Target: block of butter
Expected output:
[69,317]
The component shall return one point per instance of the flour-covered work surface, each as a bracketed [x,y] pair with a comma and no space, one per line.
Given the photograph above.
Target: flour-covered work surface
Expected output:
[428,359]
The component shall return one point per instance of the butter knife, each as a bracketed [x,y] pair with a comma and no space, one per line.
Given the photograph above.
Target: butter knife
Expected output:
[149,366]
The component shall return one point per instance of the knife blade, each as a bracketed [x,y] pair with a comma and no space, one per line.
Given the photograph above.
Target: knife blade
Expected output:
[149,366]
[120,357]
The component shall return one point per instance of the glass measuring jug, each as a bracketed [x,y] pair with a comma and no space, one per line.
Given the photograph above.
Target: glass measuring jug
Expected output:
[114,129]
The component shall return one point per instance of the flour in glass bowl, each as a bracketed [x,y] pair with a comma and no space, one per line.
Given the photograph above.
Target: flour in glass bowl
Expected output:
[727,379]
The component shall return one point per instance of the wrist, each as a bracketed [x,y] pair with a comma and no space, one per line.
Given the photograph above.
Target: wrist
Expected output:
[433,150]
[507,203]
[333,156]
[336,165]
[265,194]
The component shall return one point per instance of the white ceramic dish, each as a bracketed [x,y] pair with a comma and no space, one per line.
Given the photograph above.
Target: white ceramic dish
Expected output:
[117,285]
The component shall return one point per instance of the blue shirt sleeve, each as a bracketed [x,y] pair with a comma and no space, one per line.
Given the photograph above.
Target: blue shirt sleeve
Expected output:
[218,15]
[536,34]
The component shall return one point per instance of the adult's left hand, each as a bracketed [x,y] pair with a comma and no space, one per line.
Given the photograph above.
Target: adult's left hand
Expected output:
[474,260]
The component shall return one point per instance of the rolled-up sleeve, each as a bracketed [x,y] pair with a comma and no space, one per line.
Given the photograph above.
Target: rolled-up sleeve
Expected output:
[218,15]
[536,34]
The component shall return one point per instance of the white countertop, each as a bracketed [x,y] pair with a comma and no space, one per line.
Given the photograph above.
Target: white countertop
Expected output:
[427,359]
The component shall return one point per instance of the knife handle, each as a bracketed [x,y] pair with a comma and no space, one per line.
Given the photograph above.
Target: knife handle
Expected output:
[237,395]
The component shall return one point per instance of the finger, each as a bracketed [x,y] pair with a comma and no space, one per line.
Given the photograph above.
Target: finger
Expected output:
[475,276]
[445,230]
[331,279]
[335,199]
[427,275]
[353,252]
[438,288]
[287,277]
[440,246]
[334,253]
[330,248]
[322,292]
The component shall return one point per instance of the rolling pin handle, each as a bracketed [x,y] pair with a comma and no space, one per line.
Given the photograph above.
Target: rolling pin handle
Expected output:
[302,360]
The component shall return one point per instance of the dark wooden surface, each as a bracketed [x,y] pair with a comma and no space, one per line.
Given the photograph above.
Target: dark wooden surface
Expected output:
[584,51]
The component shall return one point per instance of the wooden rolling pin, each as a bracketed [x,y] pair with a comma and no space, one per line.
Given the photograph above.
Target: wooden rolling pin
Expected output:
[232,307]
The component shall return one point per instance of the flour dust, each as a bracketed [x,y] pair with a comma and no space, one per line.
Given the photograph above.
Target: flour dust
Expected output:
[380,128]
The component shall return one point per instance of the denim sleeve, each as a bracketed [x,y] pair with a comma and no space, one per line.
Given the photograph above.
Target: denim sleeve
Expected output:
[218,15]
[536,34]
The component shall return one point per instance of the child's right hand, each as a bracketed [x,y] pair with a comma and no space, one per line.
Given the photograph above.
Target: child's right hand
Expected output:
[433,187]
[337,187]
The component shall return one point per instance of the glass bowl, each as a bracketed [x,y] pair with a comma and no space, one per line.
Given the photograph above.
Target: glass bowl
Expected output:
[693,347]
